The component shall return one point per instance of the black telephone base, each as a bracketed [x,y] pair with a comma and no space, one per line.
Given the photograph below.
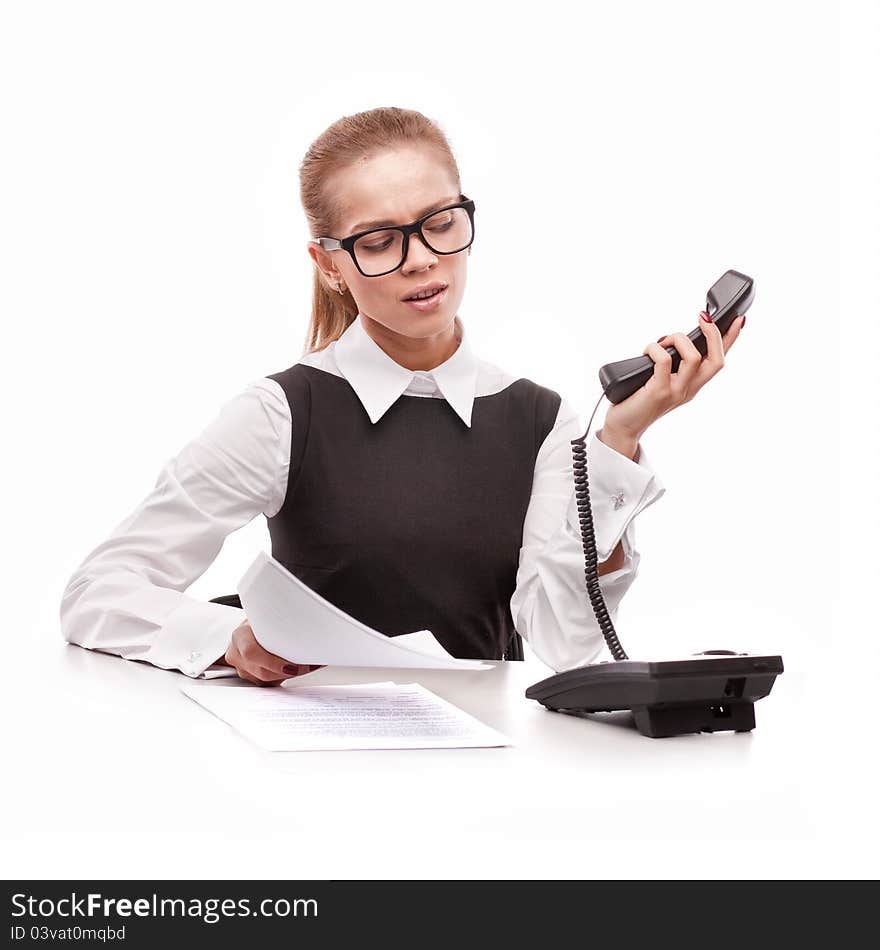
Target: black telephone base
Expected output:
[667,697]
[661,722]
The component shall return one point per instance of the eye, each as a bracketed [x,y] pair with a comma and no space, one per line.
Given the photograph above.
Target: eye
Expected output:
[442,221]
[381,246]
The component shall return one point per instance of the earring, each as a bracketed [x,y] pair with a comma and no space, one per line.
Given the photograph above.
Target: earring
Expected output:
[339,288]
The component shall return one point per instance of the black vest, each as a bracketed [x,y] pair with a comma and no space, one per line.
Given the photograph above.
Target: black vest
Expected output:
[413,522]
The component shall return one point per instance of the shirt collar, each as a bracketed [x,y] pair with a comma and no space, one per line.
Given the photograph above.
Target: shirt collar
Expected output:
[379,381]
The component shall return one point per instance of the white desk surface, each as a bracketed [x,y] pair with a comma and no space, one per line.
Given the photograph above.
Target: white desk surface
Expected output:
[113,772]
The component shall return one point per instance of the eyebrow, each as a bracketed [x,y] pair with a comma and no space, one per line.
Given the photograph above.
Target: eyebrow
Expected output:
[366,225]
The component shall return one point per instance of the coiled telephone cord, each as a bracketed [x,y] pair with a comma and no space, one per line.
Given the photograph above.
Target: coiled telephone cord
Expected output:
[588,538]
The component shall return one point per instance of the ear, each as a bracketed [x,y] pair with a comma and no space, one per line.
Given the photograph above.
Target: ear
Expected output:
[323,261]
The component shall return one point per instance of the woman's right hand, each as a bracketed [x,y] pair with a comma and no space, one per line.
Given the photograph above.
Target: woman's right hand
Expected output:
[256,665]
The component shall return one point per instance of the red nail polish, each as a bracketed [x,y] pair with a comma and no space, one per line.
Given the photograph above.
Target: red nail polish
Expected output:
[705,316]
[662,338]
[744,322]
[293,670]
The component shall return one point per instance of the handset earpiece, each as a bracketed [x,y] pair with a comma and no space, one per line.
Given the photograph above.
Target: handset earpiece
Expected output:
[729,297]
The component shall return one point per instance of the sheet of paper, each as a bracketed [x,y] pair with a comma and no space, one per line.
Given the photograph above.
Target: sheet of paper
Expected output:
[291,620]
[363,716]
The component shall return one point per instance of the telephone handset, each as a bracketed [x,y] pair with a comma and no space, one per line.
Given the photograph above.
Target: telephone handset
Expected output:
[711,693]
[730,296]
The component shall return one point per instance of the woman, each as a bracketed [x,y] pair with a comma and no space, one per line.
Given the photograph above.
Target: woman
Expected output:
[409,482]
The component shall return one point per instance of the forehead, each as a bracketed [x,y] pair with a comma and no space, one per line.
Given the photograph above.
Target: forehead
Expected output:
[391,187]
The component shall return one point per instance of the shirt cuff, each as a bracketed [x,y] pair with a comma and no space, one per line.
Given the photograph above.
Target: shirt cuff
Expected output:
[619,490]
[195,635]
[216,671]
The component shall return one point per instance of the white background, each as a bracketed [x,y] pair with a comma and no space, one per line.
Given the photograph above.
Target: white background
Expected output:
[153,262]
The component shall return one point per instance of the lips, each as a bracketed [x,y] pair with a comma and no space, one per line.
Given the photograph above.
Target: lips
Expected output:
[429,304]
[435,285]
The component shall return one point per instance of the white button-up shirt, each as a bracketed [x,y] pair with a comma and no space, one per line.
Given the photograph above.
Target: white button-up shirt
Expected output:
[128,596]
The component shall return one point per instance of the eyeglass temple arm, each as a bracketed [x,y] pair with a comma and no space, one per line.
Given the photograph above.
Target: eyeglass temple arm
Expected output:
[329,244]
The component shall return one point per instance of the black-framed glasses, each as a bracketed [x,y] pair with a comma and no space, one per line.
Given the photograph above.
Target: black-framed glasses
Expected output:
[380,251]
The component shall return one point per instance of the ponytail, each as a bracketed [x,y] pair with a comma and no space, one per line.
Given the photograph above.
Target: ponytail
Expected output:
[332,315]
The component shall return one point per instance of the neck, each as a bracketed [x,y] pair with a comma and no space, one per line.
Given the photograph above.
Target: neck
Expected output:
[422,353]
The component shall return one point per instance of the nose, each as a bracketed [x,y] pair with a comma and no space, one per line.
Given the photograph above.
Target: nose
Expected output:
[418,255]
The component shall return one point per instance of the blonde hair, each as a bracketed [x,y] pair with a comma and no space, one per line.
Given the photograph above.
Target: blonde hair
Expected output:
[340,145]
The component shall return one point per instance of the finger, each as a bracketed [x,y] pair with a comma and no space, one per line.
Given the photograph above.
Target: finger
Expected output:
[714,344]
[250,671]
[733,331]
[298,669]
[714,360]
[690,356]
[263,675]
[683,379]
[256,680]
[254,656]
[662,365]
[232,656]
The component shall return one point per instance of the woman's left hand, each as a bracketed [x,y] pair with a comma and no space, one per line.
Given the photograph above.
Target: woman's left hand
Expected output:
[666,390]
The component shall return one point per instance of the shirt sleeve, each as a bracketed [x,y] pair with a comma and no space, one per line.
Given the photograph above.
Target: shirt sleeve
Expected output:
[127,596]
[550,605]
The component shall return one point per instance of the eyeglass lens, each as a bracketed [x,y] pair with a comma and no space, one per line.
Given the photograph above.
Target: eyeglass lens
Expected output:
[446,232]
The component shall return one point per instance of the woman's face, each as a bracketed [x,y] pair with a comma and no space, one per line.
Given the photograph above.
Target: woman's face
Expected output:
[396,186]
